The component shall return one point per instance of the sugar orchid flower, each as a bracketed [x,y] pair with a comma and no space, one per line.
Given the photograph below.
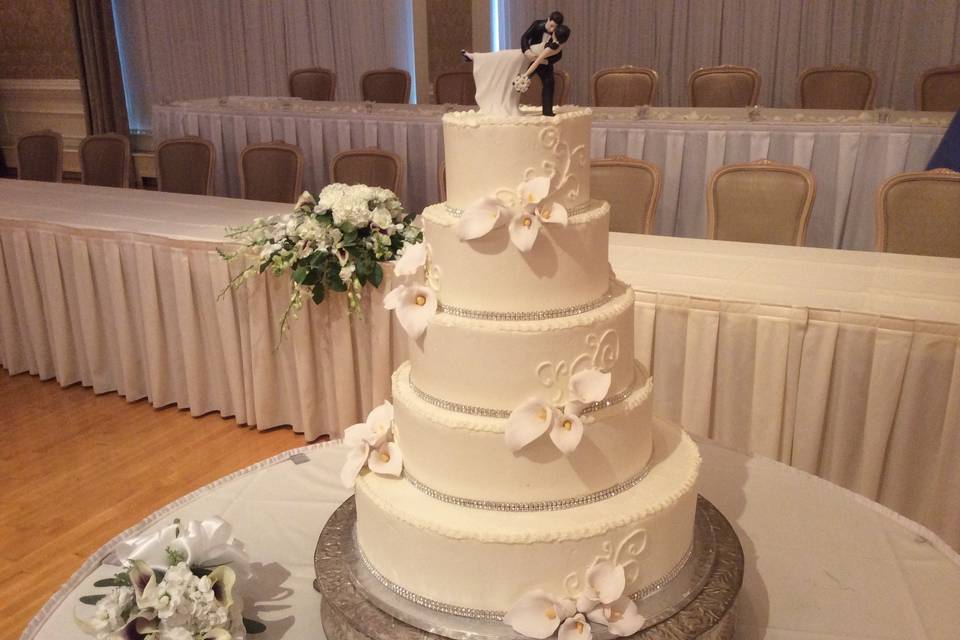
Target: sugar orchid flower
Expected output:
[537,614]
[414,256]
[415,304]
[621,617]
[605,584]
[370,446]
[575,628]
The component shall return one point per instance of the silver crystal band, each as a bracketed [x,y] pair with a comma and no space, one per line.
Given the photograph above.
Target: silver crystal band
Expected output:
[484,412]
[548,314]
[543,505]
[490,614]
[456,212]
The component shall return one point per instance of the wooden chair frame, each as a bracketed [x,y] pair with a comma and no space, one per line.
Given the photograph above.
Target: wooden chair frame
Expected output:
[397,162]
[329,72]
[403,72]
[43,133]
[845,68]
[127,172]
[446,74]
[631,70]
[880,209]
[722,69]
[918,88]
[283,146]
[763,165]
[190,140]
[625,161]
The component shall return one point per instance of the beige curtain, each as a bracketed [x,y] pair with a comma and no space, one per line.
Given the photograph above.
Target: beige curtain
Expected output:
[100,78]
[898,39]
[180,49]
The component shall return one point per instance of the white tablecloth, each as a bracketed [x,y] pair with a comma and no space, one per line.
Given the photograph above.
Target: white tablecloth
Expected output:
[849,153]
[842,363]
[821,563]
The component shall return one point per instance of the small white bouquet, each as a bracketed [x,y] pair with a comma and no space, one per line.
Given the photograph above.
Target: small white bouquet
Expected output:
[179,583]
[521,83]
[333,241]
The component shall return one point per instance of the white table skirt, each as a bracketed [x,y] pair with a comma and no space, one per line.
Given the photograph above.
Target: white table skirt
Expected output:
[849,153]
[821,563]
[842,363]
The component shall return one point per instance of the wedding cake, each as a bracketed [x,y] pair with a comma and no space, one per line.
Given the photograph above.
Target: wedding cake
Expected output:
[519,473]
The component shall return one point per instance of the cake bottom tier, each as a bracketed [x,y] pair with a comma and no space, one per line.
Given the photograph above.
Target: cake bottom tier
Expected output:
[486,560]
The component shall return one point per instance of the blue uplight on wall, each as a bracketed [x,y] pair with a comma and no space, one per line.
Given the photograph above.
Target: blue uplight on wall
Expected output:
[495,25]
[139,123]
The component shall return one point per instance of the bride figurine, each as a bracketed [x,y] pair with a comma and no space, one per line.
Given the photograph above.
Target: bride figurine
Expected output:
[501,76]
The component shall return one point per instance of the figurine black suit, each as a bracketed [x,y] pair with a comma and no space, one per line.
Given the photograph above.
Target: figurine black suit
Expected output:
[534,35]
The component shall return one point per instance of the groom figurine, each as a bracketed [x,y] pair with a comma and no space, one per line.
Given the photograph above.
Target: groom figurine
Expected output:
[534,35]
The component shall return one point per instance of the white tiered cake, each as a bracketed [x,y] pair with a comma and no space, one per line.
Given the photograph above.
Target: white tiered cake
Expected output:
[482,517]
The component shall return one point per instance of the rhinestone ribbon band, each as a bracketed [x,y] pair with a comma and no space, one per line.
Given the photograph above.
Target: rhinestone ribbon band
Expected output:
[549,314]
[505,413]
[544,505]
[489,614]
[575,211]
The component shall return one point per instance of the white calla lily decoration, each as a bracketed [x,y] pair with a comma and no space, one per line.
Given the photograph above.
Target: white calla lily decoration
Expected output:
[528,422]
[481,217]
[621,617]
[414,304]
[538,614]
[605,583]
[575,628]
[370,446]
[414,256]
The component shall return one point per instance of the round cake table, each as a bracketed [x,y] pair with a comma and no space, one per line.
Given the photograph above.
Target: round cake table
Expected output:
[820,562]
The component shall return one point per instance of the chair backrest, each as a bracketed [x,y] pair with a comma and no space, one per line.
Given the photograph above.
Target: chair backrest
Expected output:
[40,156]
[185,165]
[938,89]
[837,87]
[724,86]
[105,160]
[385,85]
[455,87]
[313,83]
[442,181]
[919,213]
[624,87]
[632,187]
[272,172]
[760,201]
[533,96]
[372,167]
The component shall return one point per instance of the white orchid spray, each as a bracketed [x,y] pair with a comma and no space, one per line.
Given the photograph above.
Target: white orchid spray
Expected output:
[525,211]
[334,241]
[413,302]
[535,417]
[371,446]
[538,614]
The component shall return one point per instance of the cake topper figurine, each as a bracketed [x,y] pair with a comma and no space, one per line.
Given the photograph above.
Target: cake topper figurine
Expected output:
[501,76]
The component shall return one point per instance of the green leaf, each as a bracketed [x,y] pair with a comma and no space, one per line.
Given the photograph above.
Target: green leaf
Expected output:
[318,293]
[300,274]
[377,276]
[347,227]
[254,626]
[107,582]
[92,599]
[334,282]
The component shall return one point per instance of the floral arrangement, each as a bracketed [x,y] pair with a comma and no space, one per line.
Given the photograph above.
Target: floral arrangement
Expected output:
[372,445]
[333,241]
[178,583]
[539,614]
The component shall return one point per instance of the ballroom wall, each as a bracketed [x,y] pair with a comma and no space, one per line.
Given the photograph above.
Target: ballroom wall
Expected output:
[449,29]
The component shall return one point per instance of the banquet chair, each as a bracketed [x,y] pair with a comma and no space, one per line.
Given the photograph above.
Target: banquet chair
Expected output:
[532,97]
[385,85]
[837,87]
[938,89]
[442,181]
[724,86]
[624,87]
[185,165]
[919,213]
[760,201]
[632,187]
[455,87]
[105,160]
[40,156]
[272,172]
[372,167]
[313,83]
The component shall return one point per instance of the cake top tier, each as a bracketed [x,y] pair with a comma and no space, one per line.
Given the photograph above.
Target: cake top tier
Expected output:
[486,155]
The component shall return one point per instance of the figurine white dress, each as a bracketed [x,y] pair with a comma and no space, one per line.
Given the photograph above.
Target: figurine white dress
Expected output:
[493,74]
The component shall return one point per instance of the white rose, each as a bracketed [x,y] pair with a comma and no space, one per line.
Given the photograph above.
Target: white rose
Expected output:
[176,633]
[382,218]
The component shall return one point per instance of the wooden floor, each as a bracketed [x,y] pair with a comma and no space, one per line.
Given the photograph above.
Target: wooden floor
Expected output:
[76,469]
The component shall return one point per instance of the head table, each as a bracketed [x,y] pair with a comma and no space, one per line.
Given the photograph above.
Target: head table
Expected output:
[821,563]
[849,152]
[844,364]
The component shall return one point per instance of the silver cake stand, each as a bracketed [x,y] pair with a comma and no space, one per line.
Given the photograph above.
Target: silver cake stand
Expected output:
[698,602]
